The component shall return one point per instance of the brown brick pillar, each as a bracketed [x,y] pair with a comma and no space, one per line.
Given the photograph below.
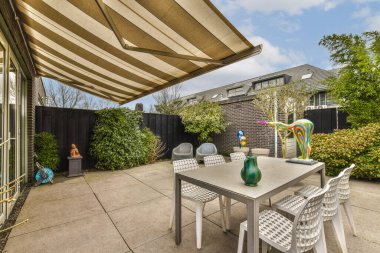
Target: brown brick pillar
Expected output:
[31,102]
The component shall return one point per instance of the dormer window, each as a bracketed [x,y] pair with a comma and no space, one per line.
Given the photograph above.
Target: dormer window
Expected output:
[269,83]
[235,92]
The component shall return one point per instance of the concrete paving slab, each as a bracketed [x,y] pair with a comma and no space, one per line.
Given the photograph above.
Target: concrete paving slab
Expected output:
[214,240]
[52,213]
[122,197]
[99,181]
[147,221]
[91,234]
[59,190]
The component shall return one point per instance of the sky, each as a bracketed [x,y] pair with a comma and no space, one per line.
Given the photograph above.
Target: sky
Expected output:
[289,31]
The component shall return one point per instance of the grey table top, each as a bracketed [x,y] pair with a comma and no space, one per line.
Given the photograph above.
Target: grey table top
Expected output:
[277,175]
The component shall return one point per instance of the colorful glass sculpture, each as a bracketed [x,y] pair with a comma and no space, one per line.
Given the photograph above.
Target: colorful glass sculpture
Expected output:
[302,130]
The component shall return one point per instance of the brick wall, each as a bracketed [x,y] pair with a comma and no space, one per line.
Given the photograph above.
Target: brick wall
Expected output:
[242,115]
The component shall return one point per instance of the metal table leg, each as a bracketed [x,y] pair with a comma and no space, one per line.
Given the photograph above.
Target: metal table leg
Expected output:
[253,226]
[323,178]
[178,217]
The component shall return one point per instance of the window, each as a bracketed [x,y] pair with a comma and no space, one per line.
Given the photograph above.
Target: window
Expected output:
[192,100]
[321,98]
[215,96]
[269,83]
[235,92]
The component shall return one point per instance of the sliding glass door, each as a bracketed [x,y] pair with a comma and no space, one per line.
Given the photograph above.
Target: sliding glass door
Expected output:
[2,171]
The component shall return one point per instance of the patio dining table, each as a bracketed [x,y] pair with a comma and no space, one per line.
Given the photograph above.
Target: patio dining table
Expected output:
[277,175]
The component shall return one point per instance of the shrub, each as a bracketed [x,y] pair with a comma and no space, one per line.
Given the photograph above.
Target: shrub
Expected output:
[155,147]
[118,142]
[46,149]
[204,118]
[343,147]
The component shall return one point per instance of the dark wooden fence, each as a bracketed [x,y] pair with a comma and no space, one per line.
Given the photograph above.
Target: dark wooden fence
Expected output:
[327,120]
[76,126]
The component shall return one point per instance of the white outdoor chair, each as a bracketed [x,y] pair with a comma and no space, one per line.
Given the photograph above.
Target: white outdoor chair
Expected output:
[214,160]
[343,194]
[330,210]
[197,194]
[237,156]
[303,234]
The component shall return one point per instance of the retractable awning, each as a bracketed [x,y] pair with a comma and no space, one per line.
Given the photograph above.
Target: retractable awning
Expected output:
[125,49]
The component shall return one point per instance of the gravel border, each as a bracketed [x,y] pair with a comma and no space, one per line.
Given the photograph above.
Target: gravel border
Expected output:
[13,216]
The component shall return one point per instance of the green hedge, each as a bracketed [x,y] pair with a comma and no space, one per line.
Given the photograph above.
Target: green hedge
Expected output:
[46,149]
[343,147]
[118,142]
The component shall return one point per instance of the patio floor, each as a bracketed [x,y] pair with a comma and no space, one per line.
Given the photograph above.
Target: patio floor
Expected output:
[128,211]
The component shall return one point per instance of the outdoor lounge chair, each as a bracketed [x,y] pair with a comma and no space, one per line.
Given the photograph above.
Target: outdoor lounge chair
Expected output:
[206,149]
[197,194]
[301,235]
[182,151]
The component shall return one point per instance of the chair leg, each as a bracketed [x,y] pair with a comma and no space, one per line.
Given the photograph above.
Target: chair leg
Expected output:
[339,231]
[228,212]
[222,213]
[198,222]
[320,246]
[172,213]
[241,239]
[348,210]
[264,247]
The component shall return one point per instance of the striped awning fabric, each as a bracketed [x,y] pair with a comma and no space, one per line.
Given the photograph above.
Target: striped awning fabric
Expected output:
[125,49]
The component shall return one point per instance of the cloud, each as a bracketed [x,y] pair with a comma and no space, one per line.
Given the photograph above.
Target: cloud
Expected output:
[373,22]
[285,24]
[371,19]
[291,7]
[362,13]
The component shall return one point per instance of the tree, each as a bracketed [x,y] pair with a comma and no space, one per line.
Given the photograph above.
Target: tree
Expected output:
[61,95]
[168,101]
[204,118]
[286,100]
[357,88]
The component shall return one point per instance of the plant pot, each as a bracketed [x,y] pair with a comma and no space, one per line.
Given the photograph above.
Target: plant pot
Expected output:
[250,173]
[245,150]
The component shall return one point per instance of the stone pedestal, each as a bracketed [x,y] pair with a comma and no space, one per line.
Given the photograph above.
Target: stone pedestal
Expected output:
[75,166]
[260,151]
[245,150]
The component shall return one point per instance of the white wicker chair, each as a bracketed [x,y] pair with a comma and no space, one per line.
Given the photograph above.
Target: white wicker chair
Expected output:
[343,194]
[330,209]
[214,160]
[237,156]
[197,194]
[303,234]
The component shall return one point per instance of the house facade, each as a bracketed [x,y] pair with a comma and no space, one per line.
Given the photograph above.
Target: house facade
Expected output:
[236,100]
[20,90]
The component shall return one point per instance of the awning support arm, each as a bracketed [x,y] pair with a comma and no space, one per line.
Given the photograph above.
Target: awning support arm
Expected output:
[122,42]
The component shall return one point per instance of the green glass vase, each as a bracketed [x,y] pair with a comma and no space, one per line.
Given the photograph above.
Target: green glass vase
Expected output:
[250,173]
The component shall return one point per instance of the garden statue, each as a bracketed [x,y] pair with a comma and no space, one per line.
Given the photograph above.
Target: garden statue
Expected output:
[241,138]
[74,152]
[302,130]
[242,143]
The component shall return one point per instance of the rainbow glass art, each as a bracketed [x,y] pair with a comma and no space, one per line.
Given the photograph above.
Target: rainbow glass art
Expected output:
[302,130]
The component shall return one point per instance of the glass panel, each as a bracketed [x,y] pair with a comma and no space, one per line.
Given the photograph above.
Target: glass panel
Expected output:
[257,86]
[311,100]
[322,98]
[280,81]
[264,84]
[272,83]
[12,93]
